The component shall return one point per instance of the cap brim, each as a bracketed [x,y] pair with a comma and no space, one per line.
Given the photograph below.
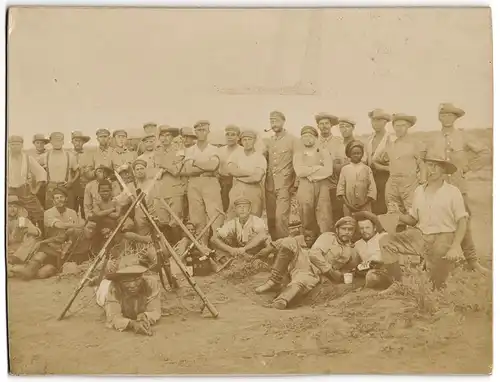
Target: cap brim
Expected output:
[449,168]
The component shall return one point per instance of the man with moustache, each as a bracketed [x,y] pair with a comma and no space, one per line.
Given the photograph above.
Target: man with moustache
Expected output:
[313,167]
[327,141]
[62,170]
[375,147]
[280,177]
[149,154]
[40,141]
[121,155]
[102,156]
[232,133]
[248,168]
[24,170]
[84,160]
[201,164]
[457,147]
[150,128]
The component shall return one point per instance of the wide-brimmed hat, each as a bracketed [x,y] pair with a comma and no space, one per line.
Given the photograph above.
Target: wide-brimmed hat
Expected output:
[334,120]
[379,114]
[79,134]
[13,199]
[431,156]
[365,215]
[130,272]
[40,137]
[404,117]
[449,108]
[107,170]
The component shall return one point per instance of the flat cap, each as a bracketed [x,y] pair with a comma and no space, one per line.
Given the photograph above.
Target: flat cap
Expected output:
[277,114]
[449,108]
[188,132]
[201,122]
[149,124]
[379,114]
[122,168]
[59,191]
[411,119]
[16,139]
[100,132]
[120,132]
[347,120]
[79,134]
[345,221]
[169,129]
[40,137]
[233,128]
[141,162]
[148,136]
[332,118]
[57,135]
[309,130]
[242,200]
[104,168]
[248,134]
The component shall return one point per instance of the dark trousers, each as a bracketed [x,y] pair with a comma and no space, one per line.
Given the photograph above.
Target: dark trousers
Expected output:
[226,183]
[379,206]
[337,205]
[468,246]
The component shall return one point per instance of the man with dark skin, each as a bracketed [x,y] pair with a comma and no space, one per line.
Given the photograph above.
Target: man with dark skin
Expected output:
[106,211]
[131,300]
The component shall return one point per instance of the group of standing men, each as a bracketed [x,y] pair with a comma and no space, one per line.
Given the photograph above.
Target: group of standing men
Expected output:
[200,182]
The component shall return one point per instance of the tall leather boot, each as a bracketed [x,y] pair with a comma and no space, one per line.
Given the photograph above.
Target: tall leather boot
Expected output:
[279,269]
[272,284]
[289,293]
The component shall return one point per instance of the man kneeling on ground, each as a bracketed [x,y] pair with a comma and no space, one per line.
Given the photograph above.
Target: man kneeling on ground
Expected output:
[242,236]
[130,300]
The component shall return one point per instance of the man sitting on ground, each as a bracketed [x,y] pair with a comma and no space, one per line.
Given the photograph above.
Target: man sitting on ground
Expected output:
[244,235]
[131,300]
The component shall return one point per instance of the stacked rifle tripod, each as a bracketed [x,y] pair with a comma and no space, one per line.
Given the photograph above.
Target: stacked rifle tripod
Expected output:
[161,244]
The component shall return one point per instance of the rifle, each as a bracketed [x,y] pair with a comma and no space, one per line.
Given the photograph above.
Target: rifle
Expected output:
[176,258]
[102,255]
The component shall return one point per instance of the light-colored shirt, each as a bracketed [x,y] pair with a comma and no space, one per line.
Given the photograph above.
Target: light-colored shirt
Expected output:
[24,169]
[440,211]
[280,151]
[226,153]
[170,158]
[84,160]
[17,235]
[404,155]
[357,184]
[337,152]
[116,311]
[53,216]
[313,164]
[121,156]
[370,250]
[196,154]
[455,145]
[59,164]
[232,230]
[249,162]
[377,153]
[102,157]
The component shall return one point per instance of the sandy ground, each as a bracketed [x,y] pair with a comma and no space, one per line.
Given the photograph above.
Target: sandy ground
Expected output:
[356,332]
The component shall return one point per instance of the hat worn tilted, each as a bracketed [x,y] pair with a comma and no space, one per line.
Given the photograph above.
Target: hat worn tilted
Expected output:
[379,114]
[79,134]
[449,108]
[437,157]
[140,162]
[365,215]
[411,119]
[347,120]
[332,118]
[345,221]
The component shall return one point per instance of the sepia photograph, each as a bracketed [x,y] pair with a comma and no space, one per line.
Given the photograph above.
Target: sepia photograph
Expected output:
[258,191]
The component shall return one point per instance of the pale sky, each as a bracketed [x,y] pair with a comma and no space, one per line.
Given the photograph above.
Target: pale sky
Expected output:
[84,69]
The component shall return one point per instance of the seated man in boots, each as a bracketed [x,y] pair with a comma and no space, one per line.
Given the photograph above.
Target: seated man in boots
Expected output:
[303,265]
[241,236]
[58,221]
[22,234]
[131,300]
